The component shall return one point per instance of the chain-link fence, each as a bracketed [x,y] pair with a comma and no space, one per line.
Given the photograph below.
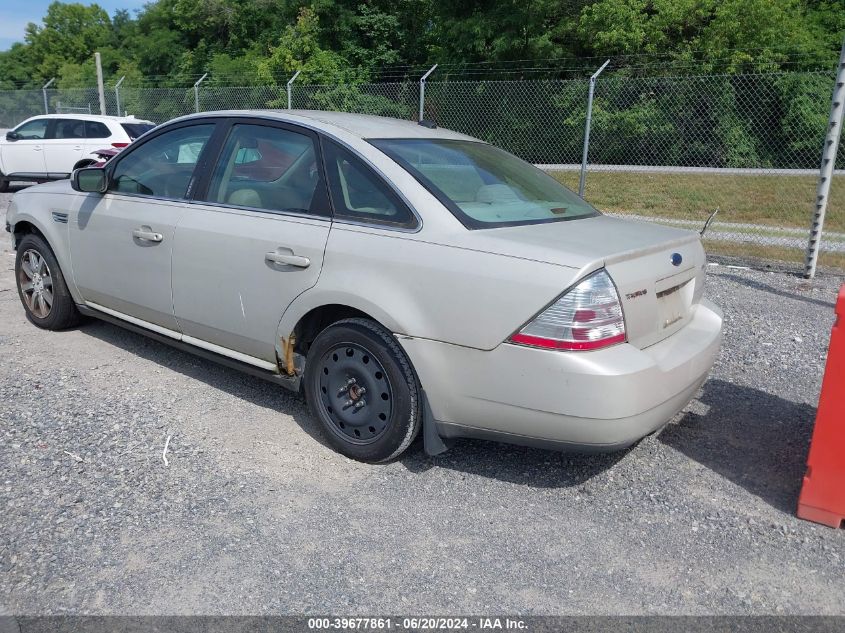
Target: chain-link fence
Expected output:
[662,149]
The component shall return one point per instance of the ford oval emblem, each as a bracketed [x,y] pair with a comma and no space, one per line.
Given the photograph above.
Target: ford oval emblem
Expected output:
[677,259]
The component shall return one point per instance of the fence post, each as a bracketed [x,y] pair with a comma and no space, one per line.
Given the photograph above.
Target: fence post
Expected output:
[829,149]
[44,92]
[197,92]
[582,181]
[422,91]
[117,93]
[289,87]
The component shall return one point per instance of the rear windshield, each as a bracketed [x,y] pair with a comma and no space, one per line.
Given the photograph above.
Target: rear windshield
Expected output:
[134,130]
[485,186]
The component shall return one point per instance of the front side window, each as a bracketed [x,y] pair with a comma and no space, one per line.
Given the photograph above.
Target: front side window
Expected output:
[485,186]
[33,130]
[69,129]
[358,193]
[269,168]
[163,166]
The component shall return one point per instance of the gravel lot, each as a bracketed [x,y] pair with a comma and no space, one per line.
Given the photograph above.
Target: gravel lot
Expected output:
[254,514]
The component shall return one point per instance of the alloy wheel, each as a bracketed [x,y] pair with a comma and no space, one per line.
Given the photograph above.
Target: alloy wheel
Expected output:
[36,283]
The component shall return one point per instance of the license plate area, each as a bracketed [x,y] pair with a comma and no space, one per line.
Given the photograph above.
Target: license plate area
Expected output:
[674,304]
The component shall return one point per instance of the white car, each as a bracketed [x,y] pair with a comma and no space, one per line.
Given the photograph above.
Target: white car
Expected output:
[51,146]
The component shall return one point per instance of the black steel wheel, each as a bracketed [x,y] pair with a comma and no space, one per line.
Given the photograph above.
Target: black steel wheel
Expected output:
[41,286]
[361,387]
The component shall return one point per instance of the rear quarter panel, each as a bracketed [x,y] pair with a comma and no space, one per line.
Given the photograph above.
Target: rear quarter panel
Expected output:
[427,290]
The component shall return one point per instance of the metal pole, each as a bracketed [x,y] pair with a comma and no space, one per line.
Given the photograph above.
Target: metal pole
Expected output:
[290,84]
[44,92]
[117,93]
[197,92]
[100,88]
[582,181]
[831,146]
[422,91]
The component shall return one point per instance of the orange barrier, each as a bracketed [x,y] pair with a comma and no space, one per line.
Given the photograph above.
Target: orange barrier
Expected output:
[823,494]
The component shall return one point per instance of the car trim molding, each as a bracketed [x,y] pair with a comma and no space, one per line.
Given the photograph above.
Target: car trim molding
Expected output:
[190,340]
[224,351]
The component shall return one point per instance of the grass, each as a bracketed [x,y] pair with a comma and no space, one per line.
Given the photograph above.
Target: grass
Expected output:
[782,201]
[777,253]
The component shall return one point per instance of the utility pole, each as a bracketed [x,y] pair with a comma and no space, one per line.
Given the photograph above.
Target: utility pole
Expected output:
[100,87]
[831,146]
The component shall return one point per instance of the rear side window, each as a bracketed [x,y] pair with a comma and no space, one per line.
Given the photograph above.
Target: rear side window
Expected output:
[69,128]
[95,129]
[134,130]
[359,194]
[163,166]
[267,168]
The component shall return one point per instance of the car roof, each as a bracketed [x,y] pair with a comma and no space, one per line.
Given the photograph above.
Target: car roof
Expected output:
[365,126]
[93,117]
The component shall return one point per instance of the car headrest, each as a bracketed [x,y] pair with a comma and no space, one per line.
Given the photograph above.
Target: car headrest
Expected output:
[245,198]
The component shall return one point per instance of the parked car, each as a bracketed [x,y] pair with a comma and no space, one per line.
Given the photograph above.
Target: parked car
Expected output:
[51,146]
[402,276]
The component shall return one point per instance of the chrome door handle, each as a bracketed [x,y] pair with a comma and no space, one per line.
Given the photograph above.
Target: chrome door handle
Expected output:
[288,260]
[144,234]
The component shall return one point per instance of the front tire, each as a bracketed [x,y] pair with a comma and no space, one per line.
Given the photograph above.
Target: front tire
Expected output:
[41,286]
[361,387]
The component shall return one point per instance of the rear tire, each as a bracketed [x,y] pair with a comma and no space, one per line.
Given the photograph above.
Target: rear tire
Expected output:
[41,286]
[361,387]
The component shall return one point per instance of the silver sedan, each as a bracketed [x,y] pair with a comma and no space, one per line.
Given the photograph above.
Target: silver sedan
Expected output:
[403,277]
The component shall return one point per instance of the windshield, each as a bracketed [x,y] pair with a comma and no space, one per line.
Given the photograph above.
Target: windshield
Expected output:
[484,186]
[134,130]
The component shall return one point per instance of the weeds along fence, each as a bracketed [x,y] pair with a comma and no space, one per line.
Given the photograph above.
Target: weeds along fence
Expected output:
[662,149]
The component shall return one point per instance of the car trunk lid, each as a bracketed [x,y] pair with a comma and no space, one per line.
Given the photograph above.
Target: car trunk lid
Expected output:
[658,270]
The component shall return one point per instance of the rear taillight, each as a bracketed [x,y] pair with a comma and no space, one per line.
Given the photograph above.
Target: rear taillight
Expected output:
[120,144]
[587,316]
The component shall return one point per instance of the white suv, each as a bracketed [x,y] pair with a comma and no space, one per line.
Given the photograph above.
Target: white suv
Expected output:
[51,146]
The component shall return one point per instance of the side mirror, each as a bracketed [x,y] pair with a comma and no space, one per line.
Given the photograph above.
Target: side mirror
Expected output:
[11,135]
[89,180]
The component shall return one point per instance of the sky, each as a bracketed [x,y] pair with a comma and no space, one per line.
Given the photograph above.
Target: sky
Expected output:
[16,14]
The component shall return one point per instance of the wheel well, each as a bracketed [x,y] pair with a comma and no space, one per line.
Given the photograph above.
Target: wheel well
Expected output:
[26,228]
[84,163]
[318,319]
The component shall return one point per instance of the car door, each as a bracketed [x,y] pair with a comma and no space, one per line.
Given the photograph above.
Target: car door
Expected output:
[252,240]
[121,241]
[64,149]
[25,154]
[99,136]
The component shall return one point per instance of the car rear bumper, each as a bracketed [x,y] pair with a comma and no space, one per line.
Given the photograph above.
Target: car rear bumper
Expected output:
[602,400]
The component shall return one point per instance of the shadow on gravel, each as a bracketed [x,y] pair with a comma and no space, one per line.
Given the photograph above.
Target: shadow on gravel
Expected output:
[527,466]
[756,285]
[752,438]
[515,464]
[250,388]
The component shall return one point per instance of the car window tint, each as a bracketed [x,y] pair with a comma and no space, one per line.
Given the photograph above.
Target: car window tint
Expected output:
[134,130]
[358,193]
[265,167]
[69,128]
[95,129]
[33,130]
[164,165]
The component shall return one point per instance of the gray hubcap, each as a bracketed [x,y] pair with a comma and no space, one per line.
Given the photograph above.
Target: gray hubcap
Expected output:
[36,283]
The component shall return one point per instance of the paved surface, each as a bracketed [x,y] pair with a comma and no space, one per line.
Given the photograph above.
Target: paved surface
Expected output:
[254,514]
